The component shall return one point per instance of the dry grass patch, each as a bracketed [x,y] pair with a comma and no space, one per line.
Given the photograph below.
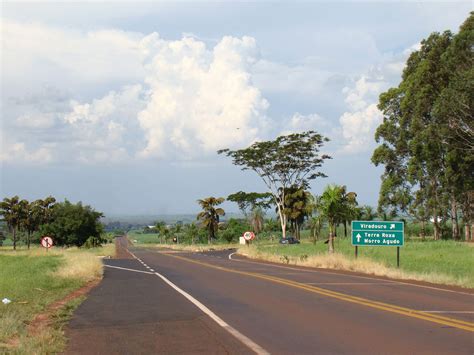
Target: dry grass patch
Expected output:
[363,265]
[191,248]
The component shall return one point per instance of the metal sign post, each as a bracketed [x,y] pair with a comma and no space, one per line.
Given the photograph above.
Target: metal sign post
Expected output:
[46,242]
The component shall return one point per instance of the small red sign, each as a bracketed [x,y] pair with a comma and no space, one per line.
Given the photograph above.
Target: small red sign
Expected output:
[249,236]
[47,242]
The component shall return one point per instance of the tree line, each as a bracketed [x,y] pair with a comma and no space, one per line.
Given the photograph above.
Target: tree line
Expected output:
[67,223]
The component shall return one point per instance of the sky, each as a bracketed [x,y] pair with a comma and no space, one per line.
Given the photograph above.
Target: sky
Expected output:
[123,105]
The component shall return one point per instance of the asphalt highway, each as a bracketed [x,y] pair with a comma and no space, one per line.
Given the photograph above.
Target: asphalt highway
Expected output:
[215,302]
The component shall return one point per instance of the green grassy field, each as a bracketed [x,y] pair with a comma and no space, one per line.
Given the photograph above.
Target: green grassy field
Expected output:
[143,238]
[455,260]
[34,279]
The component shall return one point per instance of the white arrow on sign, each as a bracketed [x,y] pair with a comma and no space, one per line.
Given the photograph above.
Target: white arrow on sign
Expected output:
[358,237]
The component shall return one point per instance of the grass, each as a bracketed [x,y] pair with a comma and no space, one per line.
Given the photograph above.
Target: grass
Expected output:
[34,279]
[444,262]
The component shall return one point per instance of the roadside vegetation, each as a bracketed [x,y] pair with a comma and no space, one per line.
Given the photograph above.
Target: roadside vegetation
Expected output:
[40,288]
[444,262]
[33,281]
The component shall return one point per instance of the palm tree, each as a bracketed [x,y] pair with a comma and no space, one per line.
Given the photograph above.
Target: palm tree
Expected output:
[256,219]
[209,216]
[13,210]
[191,231]
[368,213]
[31,219]
[333,209]
[163,231]
[350,207]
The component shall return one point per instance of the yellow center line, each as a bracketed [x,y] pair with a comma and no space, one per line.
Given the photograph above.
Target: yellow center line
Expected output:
[455,323]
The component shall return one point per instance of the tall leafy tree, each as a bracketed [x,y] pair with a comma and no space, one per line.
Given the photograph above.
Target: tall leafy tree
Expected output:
[289,160]
[13,212]
[209,216]
[428,170]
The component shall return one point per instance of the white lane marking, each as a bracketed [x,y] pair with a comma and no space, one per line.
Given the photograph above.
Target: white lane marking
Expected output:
[348,283]
[244,339]
[455,312]
[124,268]
[360,277]
[247,341]
[230,255]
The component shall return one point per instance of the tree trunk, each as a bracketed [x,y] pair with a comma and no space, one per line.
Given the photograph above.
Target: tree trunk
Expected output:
[454,219]
[282,221]
[331,238]
[423,229]
[436,225]
[468,231]
[14,238]
[28,239]
[345,229]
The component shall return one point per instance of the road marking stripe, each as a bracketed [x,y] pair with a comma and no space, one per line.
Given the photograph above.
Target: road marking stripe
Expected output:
[347,283]
[244,339]
[455,312]
[456,323]
[124,268]
[346,275]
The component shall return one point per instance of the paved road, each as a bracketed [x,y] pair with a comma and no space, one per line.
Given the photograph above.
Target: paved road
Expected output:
[281,310]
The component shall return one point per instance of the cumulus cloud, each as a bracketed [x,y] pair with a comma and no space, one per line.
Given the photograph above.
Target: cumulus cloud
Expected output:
[17,152]
[181,99]
[110,95]
[312,122]
[201,99]
[359,123]
[106,129]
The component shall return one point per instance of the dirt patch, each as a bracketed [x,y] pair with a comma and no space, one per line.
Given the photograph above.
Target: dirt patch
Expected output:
[44,319]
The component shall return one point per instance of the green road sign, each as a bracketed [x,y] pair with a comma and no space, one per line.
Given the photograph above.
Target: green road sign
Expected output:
[378,233]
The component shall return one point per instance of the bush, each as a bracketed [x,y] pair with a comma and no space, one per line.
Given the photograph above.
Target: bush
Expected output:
[72,224]
[92,242]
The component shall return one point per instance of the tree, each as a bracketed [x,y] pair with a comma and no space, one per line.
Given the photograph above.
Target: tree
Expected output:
[257,218]
[297,207]
[248,201]
[333,209]
[289,160]
[161,229]
[35,214]
[367,213]
[31,220]
[425,135]
[72,224]
[349,205]
[191,231]
[13,211]
[209,216]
